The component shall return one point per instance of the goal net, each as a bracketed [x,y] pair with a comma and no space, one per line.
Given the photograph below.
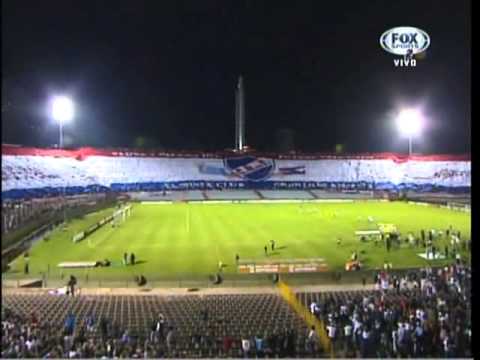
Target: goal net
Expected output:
[121,215]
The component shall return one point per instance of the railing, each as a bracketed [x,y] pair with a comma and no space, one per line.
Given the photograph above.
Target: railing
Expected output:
[290,297]
[53,277]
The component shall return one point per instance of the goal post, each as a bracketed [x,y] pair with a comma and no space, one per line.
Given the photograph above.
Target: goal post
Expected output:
[121,215]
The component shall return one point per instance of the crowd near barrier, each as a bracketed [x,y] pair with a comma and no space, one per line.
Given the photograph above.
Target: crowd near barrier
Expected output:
[421,314]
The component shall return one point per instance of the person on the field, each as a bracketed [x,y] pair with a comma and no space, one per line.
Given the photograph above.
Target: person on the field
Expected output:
[266,250]
[125,259]
[454,253]
[26,258]
[446,251]
[433,252]
[429,243]
[237,258]
[458,258]
[411,239]
[339,241]
[132,258]
[273,244]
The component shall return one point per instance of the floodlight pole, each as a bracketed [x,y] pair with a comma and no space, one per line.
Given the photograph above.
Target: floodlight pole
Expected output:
[410,145]
[62,110]
[60,146]
[60,128]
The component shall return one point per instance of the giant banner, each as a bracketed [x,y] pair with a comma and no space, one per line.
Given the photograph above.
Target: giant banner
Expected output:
[38,172]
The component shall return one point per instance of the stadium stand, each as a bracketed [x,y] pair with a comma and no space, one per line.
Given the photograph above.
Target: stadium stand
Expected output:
[286,194]
[233,195]
[17,213]
[427,313]
[203,326]
[439,198]
[423,314]
[353,195]
[187,195]
[30,172]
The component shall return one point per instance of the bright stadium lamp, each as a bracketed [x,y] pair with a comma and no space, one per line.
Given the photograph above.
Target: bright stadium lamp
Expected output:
[409,123]
[63,111]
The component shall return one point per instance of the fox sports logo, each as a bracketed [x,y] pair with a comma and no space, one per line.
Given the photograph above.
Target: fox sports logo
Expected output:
[405,40]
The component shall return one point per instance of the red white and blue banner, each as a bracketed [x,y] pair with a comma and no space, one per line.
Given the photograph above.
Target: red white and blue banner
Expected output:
[31,172]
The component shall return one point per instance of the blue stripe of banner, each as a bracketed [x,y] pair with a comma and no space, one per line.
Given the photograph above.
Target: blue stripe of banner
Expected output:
[233,185]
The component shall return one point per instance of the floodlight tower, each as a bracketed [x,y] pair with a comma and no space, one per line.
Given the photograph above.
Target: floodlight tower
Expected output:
[239,116]
[62,112]
[409,123]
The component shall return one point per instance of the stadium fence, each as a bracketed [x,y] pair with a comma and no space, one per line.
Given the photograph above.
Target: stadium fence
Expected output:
[52,277]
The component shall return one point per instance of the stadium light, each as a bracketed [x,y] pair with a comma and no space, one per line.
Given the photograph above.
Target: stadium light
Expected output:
[409,123]
[63,111]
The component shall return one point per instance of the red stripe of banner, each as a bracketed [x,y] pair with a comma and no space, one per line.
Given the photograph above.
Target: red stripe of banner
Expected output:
[84,152]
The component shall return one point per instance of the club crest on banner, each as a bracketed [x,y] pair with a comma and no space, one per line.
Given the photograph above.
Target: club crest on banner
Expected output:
[249,167]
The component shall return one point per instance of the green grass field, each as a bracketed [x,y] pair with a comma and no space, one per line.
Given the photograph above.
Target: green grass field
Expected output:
[174,239]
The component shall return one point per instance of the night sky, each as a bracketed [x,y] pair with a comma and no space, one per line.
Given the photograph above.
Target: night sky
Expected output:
[163,73]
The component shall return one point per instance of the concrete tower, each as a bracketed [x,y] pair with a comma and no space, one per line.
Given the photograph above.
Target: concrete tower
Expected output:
[239,116]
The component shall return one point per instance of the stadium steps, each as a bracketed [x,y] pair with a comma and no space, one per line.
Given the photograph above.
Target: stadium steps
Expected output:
[259,194]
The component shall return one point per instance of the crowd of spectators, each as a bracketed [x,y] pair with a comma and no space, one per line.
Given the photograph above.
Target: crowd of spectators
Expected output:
[26,337]
[18,213]
[426,313]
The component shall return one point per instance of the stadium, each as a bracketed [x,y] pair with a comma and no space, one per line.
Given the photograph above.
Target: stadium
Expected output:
[142,251]
[210,222]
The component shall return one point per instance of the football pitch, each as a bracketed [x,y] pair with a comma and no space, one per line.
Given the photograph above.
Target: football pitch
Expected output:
[192,238]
